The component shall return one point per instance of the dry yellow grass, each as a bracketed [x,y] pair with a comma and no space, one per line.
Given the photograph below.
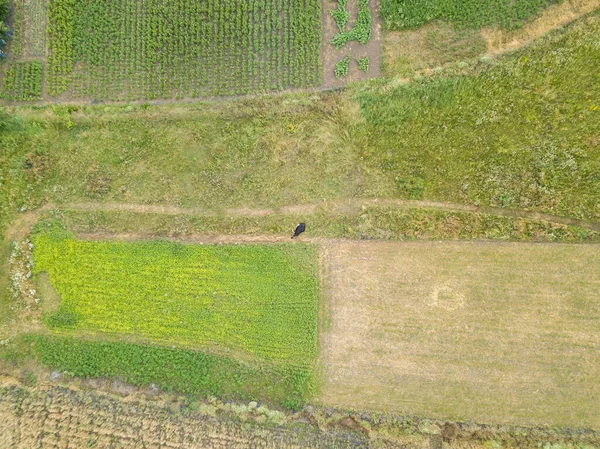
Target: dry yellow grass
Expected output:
[506,333]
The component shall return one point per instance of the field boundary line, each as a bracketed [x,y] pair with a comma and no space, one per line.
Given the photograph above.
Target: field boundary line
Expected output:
[335,206]
[24,222]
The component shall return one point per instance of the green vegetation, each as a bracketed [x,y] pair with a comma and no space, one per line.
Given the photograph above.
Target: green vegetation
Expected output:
[523,134]
[518,132]
[363,64]
[341,15]
[181,370]
[509,14]
[125,50]
[37,21]
[370,222]
[4,30]
[251,299]
[430,47]
[342,67]
[361,31]
[22,81]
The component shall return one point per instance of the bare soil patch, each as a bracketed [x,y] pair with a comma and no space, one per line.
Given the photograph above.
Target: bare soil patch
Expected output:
[487,331]
[330,56]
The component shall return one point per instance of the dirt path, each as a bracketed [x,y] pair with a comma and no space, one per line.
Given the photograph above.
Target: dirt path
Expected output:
[339,207]
[25,221]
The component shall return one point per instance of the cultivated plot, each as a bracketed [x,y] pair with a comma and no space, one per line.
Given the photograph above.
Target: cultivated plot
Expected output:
[491,332]
[259,299]
[148,49]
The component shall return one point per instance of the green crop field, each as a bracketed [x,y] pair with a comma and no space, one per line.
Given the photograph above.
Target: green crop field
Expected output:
[400,14]
[22,81]
[258,300]
[125,50]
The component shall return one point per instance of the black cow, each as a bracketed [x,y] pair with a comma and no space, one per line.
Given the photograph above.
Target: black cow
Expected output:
[299,230]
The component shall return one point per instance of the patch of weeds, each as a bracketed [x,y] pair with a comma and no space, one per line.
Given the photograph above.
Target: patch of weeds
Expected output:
[342,67]
[363,64]
[341,15]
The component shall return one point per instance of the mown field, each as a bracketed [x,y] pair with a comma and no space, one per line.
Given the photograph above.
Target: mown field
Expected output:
[251,303]
[486,331]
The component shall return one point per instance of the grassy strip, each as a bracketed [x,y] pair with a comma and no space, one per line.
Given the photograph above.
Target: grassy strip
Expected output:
[260,300]
[388,223]
[181,370]
[508,14]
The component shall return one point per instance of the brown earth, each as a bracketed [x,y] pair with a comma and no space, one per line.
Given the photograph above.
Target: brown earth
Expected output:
[488,331]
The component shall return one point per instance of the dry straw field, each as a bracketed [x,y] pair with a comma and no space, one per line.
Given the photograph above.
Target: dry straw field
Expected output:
[489,331]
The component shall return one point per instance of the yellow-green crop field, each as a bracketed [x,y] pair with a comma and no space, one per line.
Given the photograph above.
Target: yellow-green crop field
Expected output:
[257,301]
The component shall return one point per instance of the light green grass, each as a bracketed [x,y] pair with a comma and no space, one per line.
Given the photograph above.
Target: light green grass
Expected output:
[360,223]
[240,299]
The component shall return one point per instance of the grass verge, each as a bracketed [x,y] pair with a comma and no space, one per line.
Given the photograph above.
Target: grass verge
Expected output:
[373,222]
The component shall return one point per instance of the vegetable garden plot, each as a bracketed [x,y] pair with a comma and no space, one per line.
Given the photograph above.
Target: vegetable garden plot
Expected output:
[148,49]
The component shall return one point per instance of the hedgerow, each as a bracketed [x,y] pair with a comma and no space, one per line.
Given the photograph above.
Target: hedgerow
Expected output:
[184,371]
[5,31]
[509,14]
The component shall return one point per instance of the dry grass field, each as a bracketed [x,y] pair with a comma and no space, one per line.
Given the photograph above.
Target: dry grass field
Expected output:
[485,331]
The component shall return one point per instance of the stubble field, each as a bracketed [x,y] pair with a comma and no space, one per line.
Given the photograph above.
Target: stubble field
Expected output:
[491,332]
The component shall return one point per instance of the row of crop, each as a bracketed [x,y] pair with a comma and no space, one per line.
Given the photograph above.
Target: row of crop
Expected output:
[36,22]
[184,371]
[60,58]
[182,48]
[22,81]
